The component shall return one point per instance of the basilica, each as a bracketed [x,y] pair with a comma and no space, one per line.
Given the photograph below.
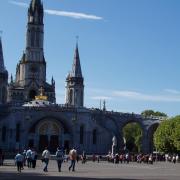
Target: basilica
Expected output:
[30,116]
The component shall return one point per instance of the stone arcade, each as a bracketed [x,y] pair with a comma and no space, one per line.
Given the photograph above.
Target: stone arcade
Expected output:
[27,119]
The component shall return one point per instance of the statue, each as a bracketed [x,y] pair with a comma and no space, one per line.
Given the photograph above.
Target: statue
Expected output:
[114,144]
[114,141]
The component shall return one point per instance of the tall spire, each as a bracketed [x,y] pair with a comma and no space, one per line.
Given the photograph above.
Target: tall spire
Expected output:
[76,69]
[75,83]
[35,3]
[2,68]
[35,12]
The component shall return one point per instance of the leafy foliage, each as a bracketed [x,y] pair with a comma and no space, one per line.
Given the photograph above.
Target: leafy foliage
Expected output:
[153,113]
[167,136]
[133,135]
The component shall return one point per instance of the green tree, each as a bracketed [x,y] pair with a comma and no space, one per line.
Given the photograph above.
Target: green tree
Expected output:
[176,133]
[133,135]
[153,113]
[167,136]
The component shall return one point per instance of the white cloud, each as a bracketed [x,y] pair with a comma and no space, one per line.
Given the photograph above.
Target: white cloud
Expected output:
[146,97]
[101,98]
[19,3]
[172,91]
[100,94]
[75,15]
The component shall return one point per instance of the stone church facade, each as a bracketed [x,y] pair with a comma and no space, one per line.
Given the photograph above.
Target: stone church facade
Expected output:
[29,115]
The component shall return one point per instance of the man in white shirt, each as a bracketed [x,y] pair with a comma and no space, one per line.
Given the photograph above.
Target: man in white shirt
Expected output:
[28,157]
[46,156]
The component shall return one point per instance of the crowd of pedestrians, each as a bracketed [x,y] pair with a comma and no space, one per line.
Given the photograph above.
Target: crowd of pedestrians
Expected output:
[29,157]
[141,158]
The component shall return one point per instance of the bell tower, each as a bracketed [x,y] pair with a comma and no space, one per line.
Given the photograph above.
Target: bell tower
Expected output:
[75,83]
[31,69]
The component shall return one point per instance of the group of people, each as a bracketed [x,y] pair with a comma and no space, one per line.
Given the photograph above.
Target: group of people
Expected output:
[59,155]
[139,158]
[172,158]
[28,158]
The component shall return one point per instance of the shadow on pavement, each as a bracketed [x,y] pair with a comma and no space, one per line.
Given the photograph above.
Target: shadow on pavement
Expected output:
[30,176]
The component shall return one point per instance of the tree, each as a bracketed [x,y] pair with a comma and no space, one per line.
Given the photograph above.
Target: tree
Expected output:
[133,135]
[167,136]
[176,133]
[153,113]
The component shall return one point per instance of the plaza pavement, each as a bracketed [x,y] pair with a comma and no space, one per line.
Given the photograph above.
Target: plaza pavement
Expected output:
[94,171]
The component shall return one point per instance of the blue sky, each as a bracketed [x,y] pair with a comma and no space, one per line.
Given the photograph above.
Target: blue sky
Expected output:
[129,49]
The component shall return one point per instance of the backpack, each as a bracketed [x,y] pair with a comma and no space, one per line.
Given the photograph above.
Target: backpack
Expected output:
[59,155]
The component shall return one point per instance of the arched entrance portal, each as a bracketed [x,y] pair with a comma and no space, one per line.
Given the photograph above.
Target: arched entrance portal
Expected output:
[49,132]
[49,135]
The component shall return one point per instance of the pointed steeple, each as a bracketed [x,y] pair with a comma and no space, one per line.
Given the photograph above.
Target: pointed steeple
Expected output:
[76,69]
[11,79]
[3,77]
[2,68]
[35,12]
[53,82]
[75,83]
[104,105]
[35,3]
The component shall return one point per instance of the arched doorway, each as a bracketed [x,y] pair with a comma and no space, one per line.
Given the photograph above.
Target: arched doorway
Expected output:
[49,132]
[132,137]
[49,135]
[32,94]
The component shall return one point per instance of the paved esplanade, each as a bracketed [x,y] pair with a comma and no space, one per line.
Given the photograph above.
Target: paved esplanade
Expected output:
[90,170]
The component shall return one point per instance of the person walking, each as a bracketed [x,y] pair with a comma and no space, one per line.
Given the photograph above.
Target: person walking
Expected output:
[59,158]
[33,158]
[83,158]
[28,157]
[46,157]
[177,158]
[1,157]
[72,156]
[19,161]
[24,155]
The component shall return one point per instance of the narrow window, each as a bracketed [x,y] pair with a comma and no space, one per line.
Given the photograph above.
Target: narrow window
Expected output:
[4,134]
[94,136]
[81,134]
[17,132]
[71,96]
[32,38]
